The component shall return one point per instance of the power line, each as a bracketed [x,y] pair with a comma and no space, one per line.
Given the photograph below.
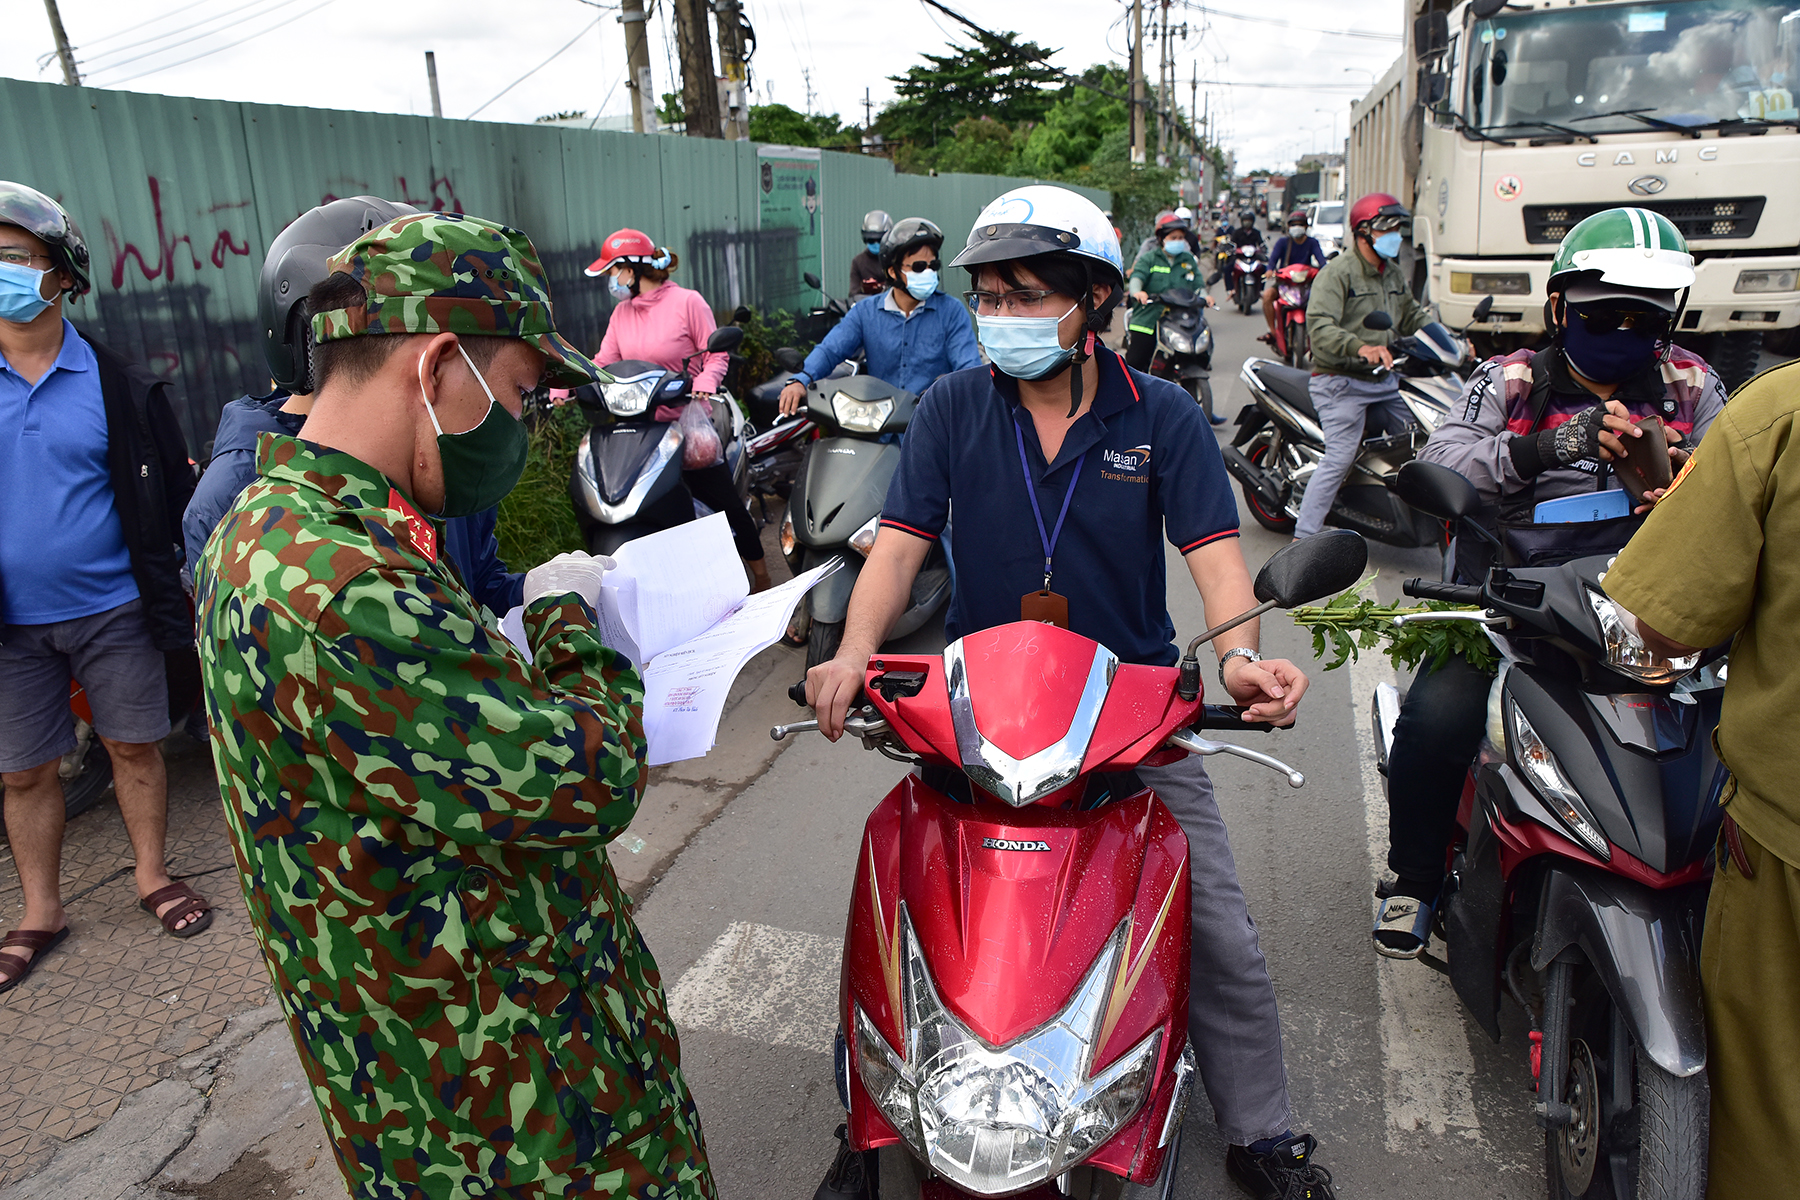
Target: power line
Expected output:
[231,18]
[106,37]
[527,75]
[227,46]
[1349,33]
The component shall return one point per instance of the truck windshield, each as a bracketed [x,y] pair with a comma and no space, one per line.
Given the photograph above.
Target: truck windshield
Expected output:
[1686,62]
[1329,214]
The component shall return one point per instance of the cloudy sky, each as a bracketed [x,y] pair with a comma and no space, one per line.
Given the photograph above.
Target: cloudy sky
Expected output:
[349,54]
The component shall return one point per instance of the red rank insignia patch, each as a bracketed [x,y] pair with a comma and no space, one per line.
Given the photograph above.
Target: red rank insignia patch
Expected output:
[418,530]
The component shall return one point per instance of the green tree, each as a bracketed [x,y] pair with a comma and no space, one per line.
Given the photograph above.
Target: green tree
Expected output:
[781,125]
[1070,134]
[999,77]
[672,111]
[978,146]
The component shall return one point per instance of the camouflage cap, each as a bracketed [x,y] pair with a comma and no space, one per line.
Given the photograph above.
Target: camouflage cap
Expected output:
[451,273]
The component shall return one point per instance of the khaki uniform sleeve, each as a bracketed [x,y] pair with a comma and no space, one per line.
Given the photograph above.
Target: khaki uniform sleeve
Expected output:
[1690,572]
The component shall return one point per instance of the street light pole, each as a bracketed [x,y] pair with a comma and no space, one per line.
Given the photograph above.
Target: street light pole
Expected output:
[437,105]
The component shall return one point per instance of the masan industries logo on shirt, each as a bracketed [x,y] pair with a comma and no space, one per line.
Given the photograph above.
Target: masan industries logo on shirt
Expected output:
[1126,466]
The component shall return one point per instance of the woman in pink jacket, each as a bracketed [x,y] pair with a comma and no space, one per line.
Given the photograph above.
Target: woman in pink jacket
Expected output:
[664,323]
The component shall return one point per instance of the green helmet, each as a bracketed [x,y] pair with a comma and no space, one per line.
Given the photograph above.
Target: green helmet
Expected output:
[1627,253]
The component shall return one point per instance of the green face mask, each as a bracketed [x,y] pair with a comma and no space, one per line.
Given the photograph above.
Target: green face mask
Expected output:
[481,465]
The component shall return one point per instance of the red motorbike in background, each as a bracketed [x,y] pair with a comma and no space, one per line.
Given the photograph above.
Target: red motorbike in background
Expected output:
[1293,284]
[1014,992]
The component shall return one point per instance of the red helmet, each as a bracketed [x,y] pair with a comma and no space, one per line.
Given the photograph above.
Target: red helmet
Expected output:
[627,246]
[1376,204]
[1299,217]
[1166,221]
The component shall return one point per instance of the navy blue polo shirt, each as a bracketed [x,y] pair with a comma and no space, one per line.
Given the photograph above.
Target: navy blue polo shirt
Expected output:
[1151,464]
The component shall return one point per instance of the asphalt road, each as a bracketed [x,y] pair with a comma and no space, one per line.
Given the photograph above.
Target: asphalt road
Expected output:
[1407,1097]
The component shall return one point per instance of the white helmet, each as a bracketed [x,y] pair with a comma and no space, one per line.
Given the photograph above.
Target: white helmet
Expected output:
[1041,219]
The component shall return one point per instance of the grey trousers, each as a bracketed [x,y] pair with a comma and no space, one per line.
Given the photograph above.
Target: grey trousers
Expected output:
[1342,403]
[1232,1018]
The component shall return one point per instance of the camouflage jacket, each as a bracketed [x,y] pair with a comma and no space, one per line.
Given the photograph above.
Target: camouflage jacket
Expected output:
[420,817]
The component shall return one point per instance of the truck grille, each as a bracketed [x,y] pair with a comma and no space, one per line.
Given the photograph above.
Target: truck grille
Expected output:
[1545,224]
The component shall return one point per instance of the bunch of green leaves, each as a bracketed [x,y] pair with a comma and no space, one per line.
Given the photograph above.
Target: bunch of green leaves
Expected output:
[1350,623]
[537,521]
[764,333]
[780,125]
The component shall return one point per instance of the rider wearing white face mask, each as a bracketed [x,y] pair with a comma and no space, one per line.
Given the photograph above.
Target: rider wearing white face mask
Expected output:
[1299,246]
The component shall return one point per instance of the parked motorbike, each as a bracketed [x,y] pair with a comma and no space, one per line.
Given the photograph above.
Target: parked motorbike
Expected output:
[1293,283]
[776,453]
[838,494]
[1579,877]
[1279,442]
[1014,995]
[1245,280]
[1184,345]
[626,480]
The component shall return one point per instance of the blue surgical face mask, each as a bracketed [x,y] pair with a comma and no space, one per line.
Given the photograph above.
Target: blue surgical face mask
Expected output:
[620,291]
[921,284]
[1024,347]
[1175,246]
[21,293]
[1388,245]
[874,247]
[1611,357]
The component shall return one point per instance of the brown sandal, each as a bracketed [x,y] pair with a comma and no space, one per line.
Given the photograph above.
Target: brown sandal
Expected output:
[39,941]
[192,905]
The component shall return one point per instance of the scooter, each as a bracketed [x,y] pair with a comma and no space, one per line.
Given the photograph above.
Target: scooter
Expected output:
[1579,877]
[1279,441]
[1184,345]
[1014,993]
[1293,284]
[776,453]
[838,493]
[1245,281]
[626,481]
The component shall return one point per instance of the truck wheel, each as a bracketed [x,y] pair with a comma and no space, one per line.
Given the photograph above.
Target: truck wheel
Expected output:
[1736,358]
[822,642]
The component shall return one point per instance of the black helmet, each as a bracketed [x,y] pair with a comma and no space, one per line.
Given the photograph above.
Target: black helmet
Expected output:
[294,264]
[875,225]
[1247,217]
[51,224]
[907,235]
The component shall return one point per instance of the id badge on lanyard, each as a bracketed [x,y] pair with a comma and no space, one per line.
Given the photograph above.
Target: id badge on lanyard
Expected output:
[1045,605]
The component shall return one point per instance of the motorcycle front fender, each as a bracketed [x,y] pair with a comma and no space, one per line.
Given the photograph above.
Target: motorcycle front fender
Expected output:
[1645,946]
[829,599]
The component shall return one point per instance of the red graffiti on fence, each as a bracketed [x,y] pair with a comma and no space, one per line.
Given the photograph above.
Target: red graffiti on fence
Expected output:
[166,243]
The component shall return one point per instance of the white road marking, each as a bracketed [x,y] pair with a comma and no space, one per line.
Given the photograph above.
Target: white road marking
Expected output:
[769,985]
[1427,1066]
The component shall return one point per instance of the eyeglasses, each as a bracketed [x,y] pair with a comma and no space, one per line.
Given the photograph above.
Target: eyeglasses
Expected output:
[918,268]
[1025,302]
[16,257]
[1647,325]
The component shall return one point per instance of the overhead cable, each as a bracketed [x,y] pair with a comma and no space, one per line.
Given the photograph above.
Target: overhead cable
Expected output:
[527,75]
[232,20]
[1294,25]
[216,49]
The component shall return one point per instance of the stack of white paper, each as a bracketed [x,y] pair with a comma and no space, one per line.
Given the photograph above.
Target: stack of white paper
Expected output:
[678,605]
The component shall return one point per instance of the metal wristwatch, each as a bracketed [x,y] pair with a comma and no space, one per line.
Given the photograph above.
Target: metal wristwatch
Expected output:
[1236,652]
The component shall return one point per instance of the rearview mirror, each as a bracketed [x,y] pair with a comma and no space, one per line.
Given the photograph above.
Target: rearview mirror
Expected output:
[812,281]
[789,359]
[1378,320]
[1312,568]
[1481,10]
[1483,309]
[724,339]
[1436,490]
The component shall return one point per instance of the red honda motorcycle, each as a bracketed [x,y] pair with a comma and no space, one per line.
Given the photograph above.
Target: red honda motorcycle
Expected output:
[1293,283]
[1014,993]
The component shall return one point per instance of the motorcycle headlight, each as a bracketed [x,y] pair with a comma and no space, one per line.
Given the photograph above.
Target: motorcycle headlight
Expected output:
[1177,340]
[1293,294]
[997,1121]
[629,397]
[1626,652]
[788,541]
[863,540]
[862,416]
[1546,775]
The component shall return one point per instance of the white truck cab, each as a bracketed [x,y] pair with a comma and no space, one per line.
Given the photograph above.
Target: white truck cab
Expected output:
[1538,114]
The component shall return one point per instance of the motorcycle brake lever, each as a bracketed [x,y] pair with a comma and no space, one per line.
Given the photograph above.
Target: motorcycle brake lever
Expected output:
[1193,743]
[779,732]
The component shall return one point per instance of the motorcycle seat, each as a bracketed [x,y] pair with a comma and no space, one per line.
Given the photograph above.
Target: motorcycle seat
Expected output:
[1289,383]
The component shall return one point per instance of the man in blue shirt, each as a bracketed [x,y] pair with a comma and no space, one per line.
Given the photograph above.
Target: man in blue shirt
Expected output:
[93,474]
[1299,246]
[1060,417]
[909,334]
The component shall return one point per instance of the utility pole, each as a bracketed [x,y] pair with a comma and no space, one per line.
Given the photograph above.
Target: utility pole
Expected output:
[1165,126]
[806,78]
[637,66]
[734,72]
[437,105]
[71,76]
[868,112]
[699,86]
[1137,82]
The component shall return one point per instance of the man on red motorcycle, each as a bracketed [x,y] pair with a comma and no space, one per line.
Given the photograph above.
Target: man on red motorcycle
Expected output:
[1083,546]
[1297,247]
[1536,427]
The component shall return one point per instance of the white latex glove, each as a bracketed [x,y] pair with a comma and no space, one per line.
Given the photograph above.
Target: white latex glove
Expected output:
[580,574]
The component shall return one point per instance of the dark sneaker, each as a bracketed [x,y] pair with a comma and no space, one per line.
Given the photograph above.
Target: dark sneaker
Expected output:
[846,1179]
[1285,1173]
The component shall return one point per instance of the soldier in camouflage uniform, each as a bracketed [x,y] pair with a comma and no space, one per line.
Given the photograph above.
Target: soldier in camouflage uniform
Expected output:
[420,813]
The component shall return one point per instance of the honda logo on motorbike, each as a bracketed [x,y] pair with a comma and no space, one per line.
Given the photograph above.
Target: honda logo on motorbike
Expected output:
[1006,844]
[1647,185]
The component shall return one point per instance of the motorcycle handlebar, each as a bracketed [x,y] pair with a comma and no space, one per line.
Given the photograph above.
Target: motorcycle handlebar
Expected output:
[1431,589]
[1229,716]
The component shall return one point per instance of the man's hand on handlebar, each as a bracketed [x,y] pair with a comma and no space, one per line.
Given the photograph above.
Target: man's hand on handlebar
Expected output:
[1270,689]
[1376,356]
[832,687]
[791,396]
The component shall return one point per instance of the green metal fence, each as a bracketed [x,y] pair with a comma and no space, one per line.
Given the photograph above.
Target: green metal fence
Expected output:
[179,198]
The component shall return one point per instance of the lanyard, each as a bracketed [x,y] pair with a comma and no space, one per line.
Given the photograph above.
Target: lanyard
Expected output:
[1048,541]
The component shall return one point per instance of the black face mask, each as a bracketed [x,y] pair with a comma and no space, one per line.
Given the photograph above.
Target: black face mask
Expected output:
[1602,347]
